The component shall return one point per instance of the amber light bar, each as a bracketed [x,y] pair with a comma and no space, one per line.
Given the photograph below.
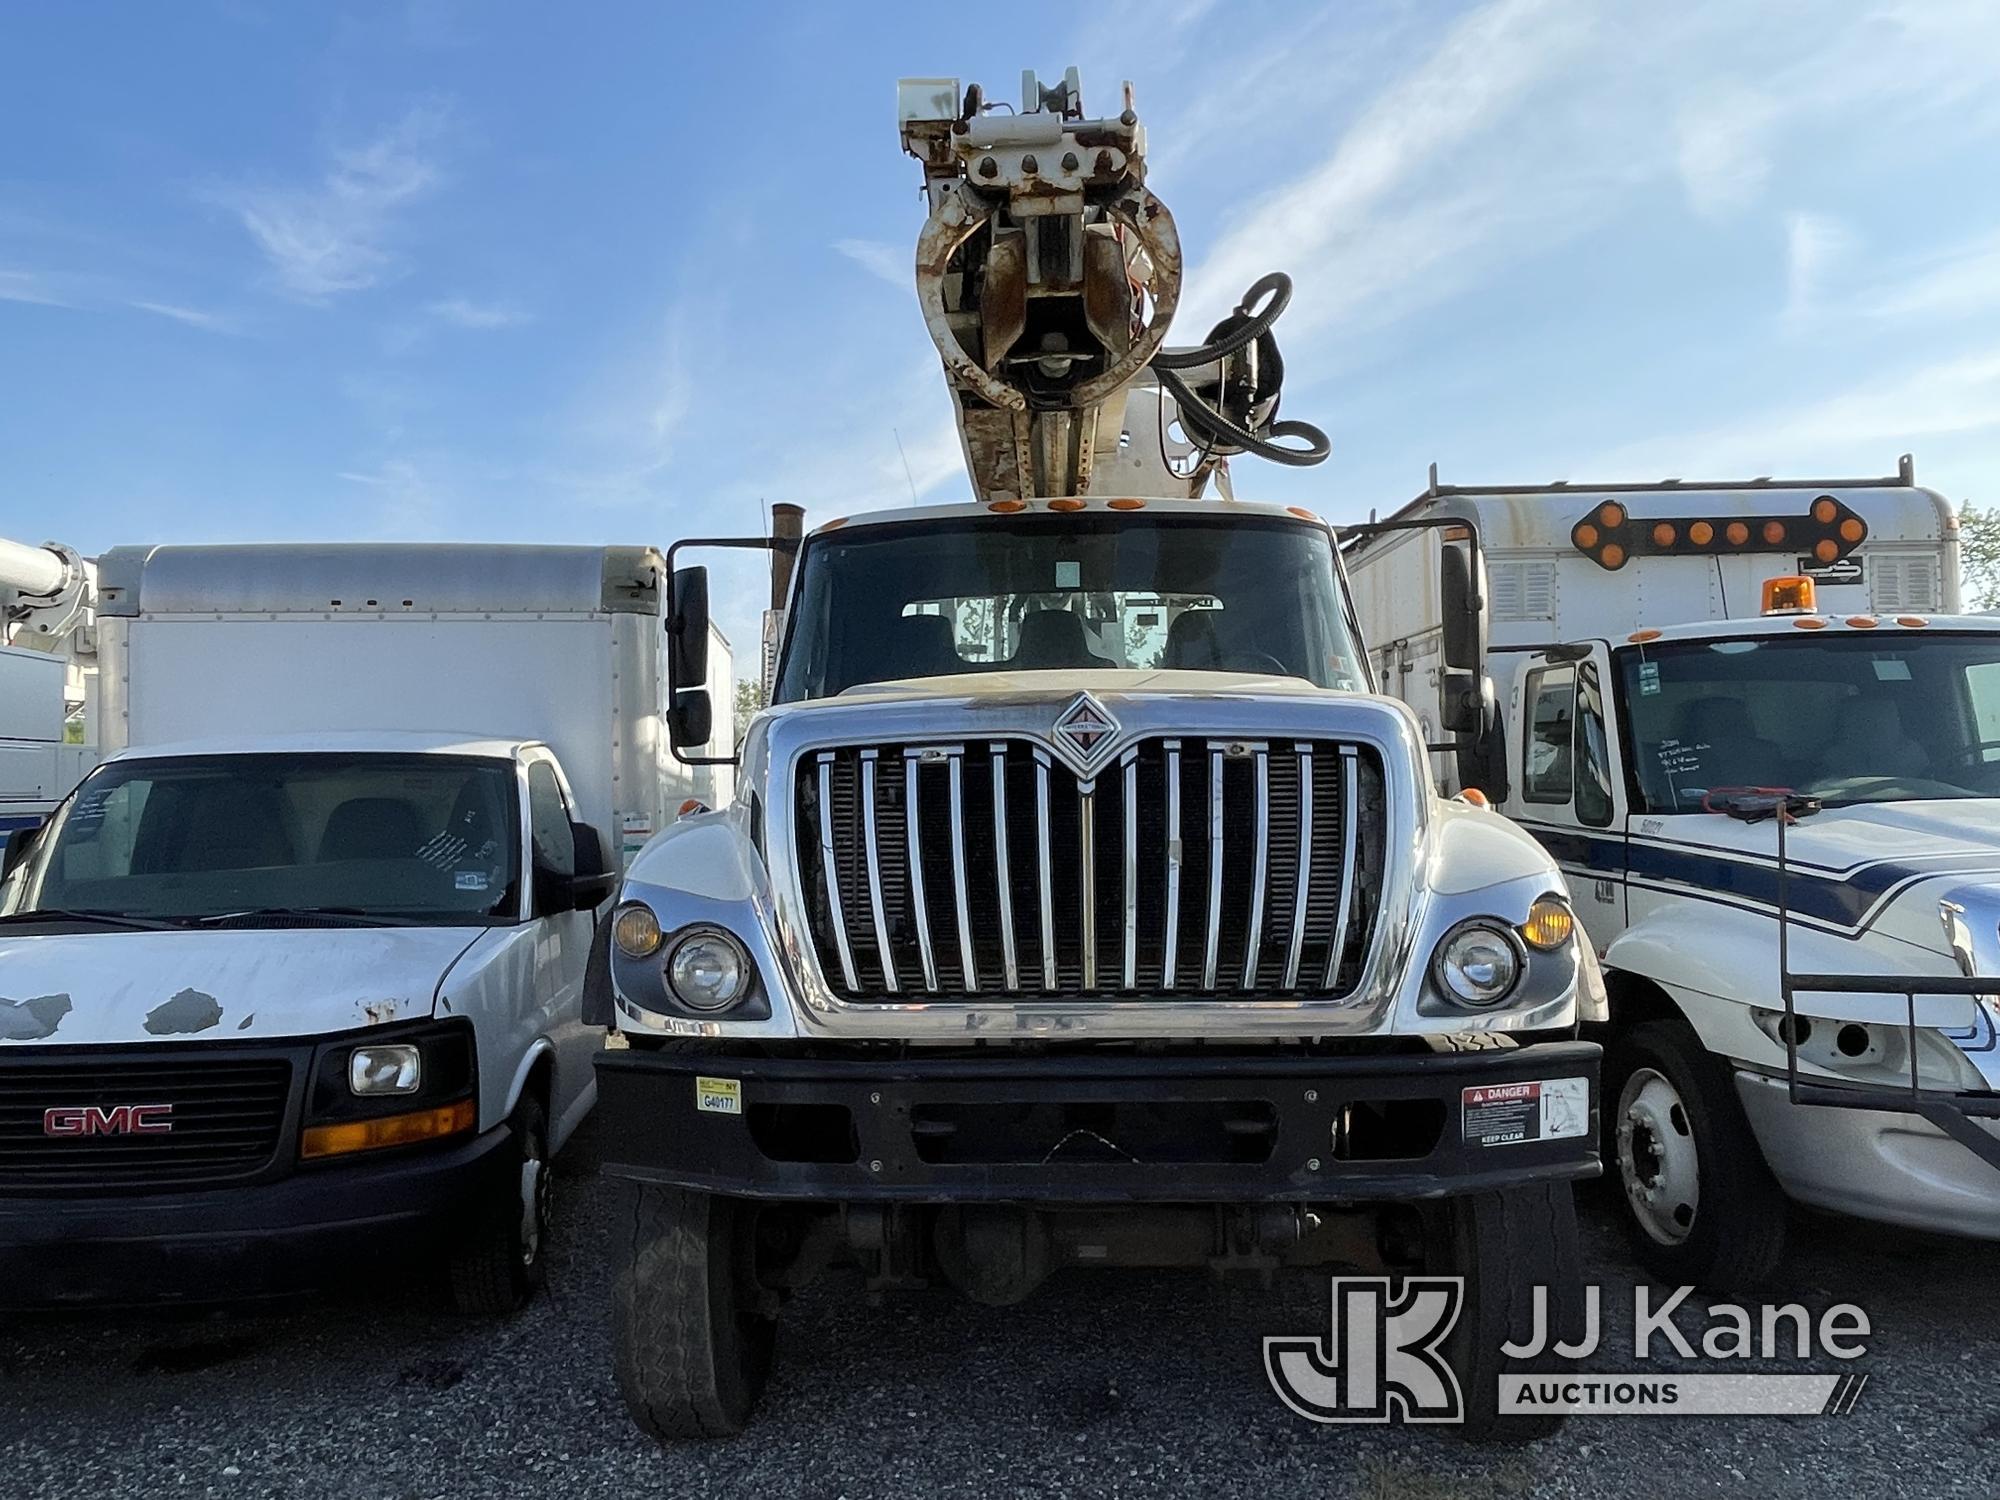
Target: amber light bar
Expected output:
[1612,536]
[390,1130]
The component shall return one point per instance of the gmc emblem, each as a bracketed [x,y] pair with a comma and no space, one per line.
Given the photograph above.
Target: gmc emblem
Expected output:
[120,1119]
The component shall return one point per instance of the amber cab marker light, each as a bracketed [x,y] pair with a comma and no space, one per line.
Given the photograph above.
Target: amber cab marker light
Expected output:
[1863,622]
[1912,622]
[1789,596]
[391,1130]
[1126,502]
[1007,507]
[1809,622]
[1473,797]
[1640,637]
[1302,513]
[1066,505]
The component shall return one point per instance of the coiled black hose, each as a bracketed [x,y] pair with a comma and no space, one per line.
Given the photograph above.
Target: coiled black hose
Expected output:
[1214,429]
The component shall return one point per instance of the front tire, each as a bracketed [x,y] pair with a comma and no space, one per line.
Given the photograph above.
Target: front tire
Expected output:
[1506,1245]
[691,1330]
[1699,1204]
[502,1262]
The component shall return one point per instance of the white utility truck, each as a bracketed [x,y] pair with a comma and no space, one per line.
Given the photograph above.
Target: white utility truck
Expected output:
[46,678]
[292,982]
[1748,721]
[1079,905]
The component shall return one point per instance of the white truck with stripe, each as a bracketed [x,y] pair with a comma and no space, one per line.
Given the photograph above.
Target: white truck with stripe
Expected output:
[1677,666]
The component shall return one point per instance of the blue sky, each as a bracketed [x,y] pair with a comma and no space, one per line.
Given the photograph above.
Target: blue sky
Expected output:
[622,272]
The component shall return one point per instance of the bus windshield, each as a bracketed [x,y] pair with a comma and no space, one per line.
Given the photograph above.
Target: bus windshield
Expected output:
[1053,592]
[1848,717]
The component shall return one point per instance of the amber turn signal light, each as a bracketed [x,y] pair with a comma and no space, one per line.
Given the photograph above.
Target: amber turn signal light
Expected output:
[1549,924]
[390,1130]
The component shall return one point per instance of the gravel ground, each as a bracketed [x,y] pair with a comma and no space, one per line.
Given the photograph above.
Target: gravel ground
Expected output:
[1104,1384]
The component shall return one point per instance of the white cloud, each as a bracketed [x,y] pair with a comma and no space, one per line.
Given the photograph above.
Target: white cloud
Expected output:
[335,236]
[1326,223]
[894,264]
[1953,283]
[1723,143]
[466,313]
[193,317]
[30,287]
[1835,432]
[1814,245]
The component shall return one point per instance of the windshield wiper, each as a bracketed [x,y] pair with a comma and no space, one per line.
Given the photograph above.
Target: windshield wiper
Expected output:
[359,916]
[96,918]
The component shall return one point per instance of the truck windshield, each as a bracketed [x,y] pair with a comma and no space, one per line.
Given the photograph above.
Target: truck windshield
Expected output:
[203,838]
[1853,717]
[1068,593]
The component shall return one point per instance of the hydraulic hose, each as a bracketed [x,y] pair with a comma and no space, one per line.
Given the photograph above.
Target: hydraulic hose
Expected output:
[1215,429]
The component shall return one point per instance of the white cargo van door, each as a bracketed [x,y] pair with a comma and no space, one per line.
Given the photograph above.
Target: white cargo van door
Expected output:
[562,939]
[1566,789]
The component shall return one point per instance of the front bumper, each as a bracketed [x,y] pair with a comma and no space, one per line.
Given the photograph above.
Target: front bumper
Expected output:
[1886,1165]
[351,1221]
[1101,1127]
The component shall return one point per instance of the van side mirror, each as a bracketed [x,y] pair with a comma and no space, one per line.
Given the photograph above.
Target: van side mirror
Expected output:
[687,630]
[595,878]
[18,848]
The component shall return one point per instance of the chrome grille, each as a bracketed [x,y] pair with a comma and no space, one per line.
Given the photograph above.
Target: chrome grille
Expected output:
[1187,867]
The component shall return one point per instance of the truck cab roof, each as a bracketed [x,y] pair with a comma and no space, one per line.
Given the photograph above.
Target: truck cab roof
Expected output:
[1759,625]
[1001,511]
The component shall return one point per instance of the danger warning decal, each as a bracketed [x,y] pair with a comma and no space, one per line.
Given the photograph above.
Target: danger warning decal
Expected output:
[1506,1114]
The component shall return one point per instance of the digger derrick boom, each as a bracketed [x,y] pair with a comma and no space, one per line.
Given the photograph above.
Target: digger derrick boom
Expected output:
[1048,275]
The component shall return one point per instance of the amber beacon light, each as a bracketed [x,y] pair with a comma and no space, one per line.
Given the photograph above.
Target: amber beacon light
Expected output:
[1611,536]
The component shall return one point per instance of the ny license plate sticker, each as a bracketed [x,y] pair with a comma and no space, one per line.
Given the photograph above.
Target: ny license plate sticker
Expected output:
[718,1096]
[1507,1114]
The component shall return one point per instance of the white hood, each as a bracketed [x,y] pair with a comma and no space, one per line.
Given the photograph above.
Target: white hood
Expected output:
[234,984]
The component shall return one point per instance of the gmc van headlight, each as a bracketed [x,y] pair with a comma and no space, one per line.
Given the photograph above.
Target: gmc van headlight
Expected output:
[389,1068]
[708,970]
[1478,964]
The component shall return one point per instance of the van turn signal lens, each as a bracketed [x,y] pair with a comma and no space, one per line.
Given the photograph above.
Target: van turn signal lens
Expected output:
[1789,596]
[1549,924]
[391,1130]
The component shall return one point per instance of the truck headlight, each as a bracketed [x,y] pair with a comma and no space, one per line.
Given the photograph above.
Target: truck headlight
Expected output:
[1477,964]
[390,1068]
[636,930]
[708,970]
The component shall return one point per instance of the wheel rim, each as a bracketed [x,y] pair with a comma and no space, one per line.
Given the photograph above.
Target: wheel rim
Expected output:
[535,1198]
[1657,1160]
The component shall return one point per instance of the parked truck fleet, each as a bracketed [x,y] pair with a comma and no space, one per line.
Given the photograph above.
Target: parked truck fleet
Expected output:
[1116,876]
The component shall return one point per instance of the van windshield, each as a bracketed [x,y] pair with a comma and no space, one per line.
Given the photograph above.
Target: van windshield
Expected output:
[1068,592]
[1880,716]
[395,838]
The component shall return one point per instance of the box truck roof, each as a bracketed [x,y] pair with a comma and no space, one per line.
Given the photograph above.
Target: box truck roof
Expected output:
[378,579]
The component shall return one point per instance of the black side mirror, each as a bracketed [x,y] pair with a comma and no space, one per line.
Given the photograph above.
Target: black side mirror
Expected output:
[691,720]
[595,879]
[687,631]
[19,847]
[1463,600]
